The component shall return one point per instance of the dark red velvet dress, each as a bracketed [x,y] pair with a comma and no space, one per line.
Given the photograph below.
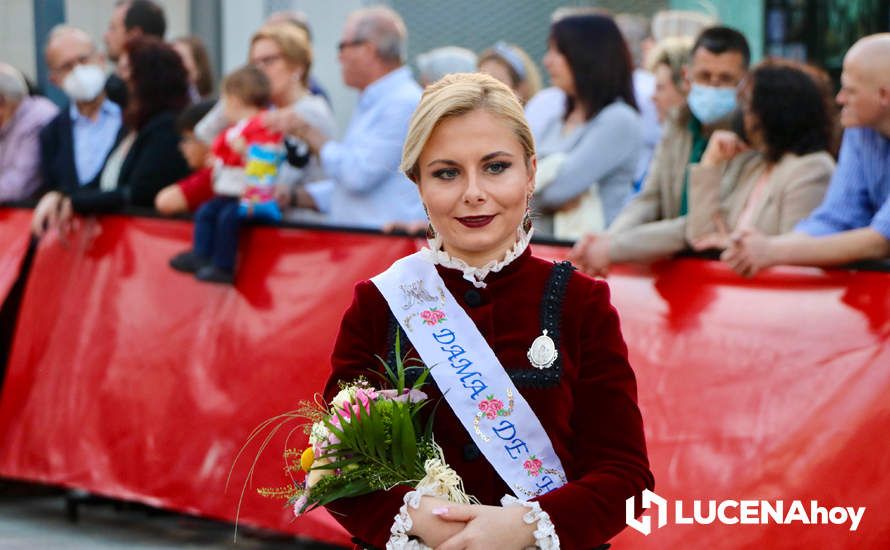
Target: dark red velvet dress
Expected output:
[586,402]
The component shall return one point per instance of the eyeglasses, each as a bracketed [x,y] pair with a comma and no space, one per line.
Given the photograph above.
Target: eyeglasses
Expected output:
[266,60]
[349,43]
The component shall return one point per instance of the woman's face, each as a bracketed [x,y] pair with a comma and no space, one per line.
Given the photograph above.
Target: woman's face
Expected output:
[558,67]
[475,183]
[667,96]
[283,76]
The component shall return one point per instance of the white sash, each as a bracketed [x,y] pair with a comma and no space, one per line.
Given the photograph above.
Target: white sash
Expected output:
[471,377]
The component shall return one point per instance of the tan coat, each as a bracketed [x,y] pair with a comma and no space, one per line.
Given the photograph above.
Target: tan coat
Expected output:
[795,187]
[649,224]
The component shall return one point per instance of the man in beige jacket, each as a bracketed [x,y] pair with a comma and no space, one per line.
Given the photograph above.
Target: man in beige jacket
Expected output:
[656,216]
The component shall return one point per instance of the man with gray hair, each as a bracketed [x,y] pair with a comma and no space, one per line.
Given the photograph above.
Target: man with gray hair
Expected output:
[364,186]
[21,118]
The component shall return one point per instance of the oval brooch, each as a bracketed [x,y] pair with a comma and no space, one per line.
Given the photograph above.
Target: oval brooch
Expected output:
[543,352]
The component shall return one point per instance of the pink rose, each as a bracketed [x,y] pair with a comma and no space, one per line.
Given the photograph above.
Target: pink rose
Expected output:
[491,407]
[432,316]
[533,466]
[299,505]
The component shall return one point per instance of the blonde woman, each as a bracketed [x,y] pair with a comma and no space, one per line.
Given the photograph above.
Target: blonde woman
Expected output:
[561,372]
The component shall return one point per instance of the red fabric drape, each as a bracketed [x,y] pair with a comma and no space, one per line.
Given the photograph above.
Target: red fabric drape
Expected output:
[134,381]
[15,233]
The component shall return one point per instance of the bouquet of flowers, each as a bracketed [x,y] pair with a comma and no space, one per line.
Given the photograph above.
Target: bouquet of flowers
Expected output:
[368,439]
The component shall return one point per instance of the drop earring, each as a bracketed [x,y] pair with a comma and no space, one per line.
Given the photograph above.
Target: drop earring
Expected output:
[527,218]
[430,230]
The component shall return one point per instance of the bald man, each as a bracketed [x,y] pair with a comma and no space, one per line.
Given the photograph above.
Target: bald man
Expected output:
[853,222]
[76,143]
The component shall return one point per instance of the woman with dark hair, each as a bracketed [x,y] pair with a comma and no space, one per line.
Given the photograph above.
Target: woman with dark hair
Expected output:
[148,157]
[777,174]
[588,153]
[194,56]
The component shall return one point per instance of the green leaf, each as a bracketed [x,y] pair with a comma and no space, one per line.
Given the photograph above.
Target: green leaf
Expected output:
[333,465]
[428,432]
[421,380]
[395,448]
[346,432]
[408,441]
[365,429]
[351,489]
[400,365]
[390,373]
[376,421]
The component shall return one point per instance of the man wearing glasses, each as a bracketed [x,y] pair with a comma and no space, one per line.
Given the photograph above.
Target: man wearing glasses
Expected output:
[654,220]
[364,187]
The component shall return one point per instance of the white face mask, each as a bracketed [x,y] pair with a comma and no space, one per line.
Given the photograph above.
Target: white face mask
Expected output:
[84,82]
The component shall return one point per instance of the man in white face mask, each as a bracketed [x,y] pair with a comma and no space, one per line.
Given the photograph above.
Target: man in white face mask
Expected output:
[655,220]
[75,145]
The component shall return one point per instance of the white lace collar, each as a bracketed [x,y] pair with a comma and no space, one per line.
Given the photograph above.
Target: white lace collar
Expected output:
[477,275]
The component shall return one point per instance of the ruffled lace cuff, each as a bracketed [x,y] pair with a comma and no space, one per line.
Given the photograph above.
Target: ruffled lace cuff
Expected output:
[398,539]
[545,533]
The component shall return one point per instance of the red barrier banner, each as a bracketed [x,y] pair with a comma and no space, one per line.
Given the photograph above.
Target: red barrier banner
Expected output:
[133,381]
[15,234]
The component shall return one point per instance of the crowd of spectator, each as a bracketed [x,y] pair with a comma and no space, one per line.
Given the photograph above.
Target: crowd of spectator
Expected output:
[654,138]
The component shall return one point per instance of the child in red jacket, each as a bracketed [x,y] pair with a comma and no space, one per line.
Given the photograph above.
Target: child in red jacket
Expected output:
[246,157]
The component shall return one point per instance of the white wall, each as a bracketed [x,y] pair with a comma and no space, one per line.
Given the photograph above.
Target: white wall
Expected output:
[17,35]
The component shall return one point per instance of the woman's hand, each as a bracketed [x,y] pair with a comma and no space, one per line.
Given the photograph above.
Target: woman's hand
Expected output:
[428,524]
[750,251]
[52,212]
[487,527]
[722,147]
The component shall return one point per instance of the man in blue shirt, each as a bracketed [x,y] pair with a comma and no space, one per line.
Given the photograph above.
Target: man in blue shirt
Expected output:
[364,186]
[76,143]
[853,222]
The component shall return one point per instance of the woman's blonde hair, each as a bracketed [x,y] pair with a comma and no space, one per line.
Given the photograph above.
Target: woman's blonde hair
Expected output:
[293,42]
[458,94]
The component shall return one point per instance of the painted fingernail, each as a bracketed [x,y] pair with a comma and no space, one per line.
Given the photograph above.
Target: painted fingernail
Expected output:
[440,511]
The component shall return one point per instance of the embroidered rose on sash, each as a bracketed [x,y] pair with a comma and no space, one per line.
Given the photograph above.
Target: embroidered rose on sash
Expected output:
[432,316]
[533,466]
[492,407]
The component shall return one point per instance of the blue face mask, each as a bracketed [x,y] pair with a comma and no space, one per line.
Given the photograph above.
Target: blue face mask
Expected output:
[710,104]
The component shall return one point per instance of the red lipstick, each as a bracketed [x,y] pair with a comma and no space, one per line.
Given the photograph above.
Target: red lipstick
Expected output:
[475,221]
